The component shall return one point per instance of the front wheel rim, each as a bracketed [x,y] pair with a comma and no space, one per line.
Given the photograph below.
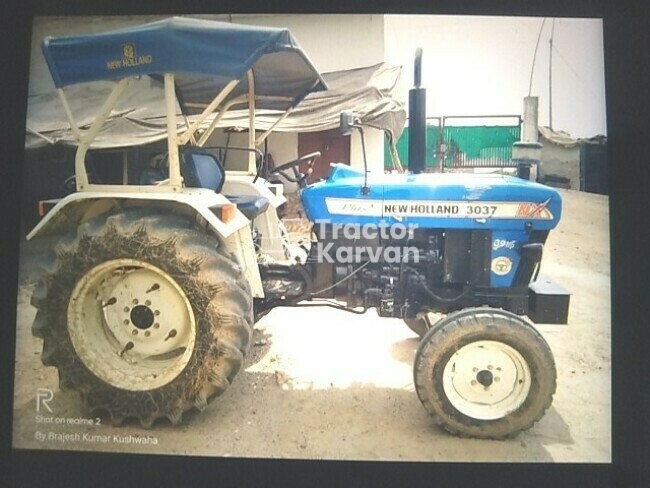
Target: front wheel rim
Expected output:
[486,380]
[131,324]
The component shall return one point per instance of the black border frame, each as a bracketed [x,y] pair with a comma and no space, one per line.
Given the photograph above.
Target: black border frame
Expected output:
[626,66]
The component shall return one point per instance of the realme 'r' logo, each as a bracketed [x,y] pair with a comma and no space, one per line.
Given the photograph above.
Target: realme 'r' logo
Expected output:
[43,398]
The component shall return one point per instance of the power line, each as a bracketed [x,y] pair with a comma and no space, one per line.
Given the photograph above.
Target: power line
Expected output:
[532,68]
[550,76]
[575,73]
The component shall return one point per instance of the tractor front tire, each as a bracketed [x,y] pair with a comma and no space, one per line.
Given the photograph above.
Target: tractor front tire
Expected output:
[144,315]
[484,373]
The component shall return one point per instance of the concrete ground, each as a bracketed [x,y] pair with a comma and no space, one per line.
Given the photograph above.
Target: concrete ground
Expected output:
[325,384]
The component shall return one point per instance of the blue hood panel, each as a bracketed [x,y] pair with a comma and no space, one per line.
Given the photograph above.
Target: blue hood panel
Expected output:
[433,200]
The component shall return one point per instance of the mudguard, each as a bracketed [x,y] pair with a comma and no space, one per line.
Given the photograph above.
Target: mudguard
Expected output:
[273,237]
[197,203]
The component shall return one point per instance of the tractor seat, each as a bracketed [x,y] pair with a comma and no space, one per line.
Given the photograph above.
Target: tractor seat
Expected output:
[250,206]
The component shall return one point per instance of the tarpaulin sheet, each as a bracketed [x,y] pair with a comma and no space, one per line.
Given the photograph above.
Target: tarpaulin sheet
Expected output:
[558,137]
[139,116]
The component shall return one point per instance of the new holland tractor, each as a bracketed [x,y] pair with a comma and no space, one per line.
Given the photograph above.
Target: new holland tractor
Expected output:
[147,303]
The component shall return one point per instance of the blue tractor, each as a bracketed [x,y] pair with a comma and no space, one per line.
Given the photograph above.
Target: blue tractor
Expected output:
[147,306]
[417,245]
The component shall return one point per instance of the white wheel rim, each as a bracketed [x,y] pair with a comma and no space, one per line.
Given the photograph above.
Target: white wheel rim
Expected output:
[486,380]
[131,324]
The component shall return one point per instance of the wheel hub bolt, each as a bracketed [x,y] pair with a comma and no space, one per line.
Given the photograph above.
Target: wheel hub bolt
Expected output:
[134,332]
[473,382]
[126,322]
[126,309]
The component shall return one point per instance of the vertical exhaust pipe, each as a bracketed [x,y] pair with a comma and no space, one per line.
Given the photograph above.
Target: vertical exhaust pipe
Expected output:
[417,120]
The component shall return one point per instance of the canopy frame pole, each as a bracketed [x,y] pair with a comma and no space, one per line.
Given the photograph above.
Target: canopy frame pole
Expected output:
[89,137]
[208,110]
[251,127]
[397,164]
[42,136]
[125,168]
[187,124]
[213,125]
[68,113]
[263,137]
[175,180]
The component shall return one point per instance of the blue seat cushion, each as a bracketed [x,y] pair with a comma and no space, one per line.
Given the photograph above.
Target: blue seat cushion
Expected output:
[202,170]
[250,206]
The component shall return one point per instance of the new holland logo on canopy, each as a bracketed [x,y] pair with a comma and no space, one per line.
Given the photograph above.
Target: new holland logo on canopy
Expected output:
[129,58]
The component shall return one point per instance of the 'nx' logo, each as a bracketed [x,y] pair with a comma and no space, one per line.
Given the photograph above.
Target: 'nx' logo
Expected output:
[534,211]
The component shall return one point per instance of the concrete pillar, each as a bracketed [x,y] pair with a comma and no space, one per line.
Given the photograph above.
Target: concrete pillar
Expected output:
[527,152]
[529,131]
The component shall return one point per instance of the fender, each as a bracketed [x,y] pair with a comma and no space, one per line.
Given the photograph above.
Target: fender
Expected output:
[238,184]
[274,240]
[235,235]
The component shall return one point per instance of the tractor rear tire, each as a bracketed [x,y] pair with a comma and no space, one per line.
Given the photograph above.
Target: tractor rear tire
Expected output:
[484,373]
[144,315]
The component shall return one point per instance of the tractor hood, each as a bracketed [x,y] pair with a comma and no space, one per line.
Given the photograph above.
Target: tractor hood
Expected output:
[433,200]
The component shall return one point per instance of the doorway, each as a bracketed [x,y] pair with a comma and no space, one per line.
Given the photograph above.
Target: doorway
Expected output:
[334,148]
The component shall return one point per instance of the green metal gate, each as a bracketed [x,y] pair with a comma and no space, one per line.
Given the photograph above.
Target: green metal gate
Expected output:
[459,142]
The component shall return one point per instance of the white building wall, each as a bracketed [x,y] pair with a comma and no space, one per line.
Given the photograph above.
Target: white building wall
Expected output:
[374,150]
[283,146]
[333,42]
[557,160]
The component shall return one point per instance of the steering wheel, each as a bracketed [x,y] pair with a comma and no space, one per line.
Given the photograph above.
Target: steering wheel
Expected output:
[70,184]
[293,165]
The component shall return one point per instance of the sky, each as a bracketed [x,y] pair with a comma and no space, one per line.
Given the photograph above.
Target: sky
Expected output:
[482,65]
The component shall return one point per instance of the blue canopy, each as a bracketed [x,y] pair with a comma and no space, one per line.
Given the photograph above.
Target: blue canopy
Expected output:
[205,55]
